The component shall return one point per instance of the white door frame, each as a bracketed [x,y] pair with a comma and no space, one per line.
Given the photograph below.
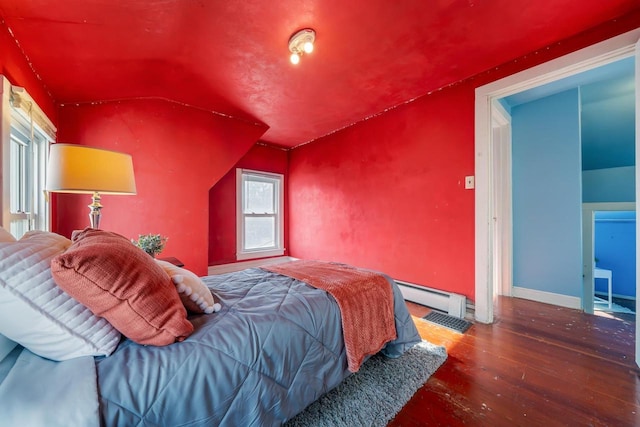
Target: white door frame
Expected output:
[611,50]
[637,54]
[502,206]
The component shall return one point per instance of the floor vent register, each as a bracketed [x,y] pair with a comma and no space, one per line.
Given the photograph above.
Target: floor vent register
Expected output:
[449,322]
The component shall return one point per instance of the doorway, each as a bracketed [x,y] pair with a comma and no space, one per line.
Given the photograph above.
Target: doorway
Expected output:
[589,211]
[620,47]
[573,142]
[615,264]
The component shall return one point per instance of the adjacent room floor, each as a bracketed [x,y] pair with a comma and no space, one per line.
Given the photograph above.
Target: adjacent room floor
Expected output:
[621,309]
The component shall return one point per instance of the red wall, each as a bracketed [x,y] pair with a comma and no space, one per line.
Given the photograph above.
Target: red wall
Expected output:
[388,194]
[222,201]
[179,153]
[15,67]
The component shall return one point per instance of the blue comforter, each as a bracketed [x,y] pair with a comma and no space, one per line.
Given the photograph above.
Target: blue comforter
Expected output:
[275,347]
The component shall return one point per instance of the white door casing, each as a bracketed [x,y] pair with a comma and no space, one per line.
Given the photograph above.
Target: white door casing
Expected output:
[502,206]
[637,83]
[608,51]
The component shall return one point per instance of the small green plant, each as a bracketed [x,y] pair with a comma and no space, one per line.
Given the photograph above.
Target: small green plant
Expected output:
[152,244]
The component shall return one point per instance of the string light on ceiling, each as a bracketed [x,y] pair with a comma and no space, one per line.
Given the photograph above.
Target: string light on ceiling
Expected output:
[301,43]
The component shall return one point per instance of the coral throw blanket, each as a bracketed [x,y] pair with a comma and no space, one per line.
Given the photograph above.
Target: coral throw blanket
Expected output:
[365,299]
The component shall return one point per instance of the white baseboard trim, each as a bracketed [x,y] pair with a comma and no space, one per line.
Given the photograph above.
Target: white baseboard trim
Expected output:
[237,266]
[548,297]
[448,302]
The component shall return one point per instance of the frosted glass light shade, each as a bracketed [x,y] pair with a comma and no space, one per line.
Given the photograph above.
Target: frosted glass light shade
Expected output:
[79,169]
[308,47]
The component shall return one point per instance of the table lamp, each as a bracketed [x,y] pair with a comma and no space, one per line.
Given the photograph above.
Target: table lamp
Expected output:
[75,168]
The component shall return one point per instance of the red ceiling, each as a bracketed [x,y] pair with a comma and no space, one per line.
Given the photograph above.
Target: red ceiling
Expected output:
[231,57]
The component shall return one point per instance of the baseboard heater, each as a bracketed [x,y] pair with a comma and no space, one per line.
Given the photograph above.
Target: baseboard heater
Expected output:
[450,303]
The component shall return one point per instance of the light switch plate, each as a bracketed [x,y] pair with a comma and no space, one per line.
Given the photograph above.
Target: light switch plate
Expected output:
[469,182]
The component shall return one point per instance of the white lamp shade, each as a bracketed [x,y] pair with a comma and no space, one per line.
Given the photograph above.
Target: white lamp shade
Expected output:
[79,169]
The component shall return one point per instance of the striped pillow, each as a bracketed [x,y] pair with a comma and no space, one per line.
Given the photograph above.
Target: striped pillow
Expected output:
[40,315]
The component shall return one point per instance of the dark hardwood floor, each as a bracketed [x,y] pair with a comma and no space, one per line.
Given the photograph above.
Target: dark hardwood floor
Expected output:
[537,365]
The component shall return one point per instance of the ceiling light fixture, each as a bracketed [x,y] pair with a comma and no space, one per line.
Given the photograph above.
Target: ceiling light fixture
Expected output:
[301,43]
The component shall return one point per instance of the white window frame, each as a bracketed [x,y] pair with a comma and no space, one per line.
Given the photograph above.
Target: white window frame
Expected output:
[18,107]
[278,180]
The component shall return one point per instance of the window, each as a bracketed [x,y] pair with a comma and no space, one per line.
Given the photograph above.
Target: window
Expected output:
[260,214]
[25,145]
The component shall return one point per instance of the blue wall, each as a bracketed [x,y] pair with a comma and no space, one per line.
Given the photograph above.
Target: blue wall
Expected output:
[609,185]
[547,202]
[615,250]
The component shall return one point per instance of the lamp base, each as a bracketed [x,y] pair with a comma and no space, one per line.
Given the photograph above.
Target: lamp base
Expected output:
[94,210]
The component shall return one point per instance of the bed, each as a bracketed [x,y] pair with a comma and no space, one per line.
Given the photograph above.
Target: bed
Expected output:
[275,345]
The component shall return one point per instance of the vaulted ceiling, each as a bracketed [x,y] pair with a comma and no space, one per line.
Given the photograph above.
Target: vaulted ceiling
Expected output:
[231,57]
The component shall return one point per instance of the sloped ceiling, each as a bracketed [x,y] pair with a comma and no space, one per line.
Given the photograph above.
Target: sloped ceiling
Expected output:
[231,57]
[607,104]
[608,121]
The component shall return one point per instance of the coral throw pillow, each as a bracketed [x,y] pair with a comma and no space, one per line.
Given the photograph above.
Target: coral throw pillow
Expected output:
[120,282]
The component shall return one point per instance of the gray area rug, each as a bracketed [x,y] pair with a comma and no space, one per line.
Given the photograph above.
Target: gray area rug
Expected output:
[376,393]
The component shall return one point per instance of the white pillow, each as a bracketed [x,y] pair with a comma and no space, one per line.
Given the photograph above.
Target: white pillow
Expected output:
[5,236]
[38,314]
